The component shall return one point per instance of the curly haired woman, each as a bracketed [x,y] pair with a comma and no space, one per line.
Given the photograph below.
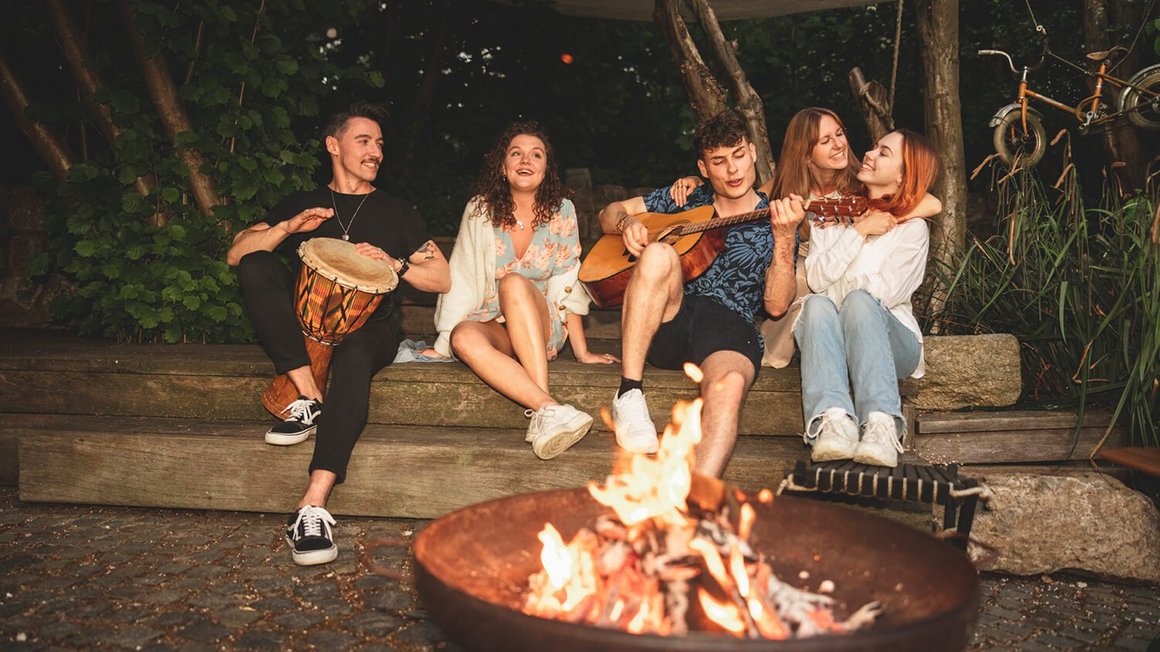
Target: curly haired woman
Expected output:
[514,297]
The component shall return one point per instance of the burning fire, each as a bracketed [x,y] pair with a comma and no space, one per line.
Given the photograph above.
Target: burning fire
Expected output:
[671,538]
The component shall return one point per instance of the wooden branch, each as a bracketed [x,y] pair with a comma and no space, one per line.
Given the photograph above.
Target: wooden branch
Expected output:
[871,96]
[705,94]
[172,113]
[747,99]
[72,45]
[52,150]
[938,26]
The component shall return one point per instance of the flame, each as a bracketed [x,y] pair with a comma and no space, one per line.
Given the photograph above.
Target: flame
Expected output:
[626,576]
[656,487]
[722,613]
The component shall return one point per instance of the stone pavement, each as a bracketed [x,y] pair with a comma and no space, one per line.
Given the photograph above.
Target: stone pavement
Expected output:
[77,577]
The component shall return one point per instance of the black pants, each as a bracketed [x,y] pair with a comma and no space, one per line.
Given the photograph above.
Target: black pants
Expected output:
[268,292]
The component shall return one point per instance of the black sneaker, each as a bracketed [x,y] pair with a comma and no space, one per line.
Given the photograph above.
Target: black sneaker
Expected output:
[301,421]
[309,534]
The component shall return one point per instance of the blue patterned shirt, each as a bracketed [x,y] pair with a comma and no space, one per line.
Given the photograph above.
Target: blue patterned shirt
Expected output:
[736,279]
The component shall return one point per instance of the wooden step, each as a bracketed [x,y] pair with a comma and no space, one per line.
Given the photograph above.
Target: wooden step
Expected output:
[1010,436]
[65,376]
[416,472]
[1140,458]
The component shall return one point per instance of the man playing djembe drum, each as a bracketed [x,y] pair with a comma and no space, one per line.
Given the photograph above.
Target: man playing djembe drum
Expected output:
[382,228]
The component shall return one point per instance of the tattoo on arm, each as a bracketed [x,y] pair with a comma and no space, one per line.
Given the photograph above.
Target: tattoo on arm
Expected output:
[428,250]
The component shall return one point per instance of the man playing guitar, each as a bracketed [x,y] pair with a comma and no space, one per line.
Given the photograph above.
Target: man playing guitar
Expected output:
[711,320]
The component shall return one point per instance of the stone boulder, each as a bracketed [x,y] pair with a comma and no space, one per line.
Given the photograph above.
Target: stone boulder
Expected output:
[1087,522]
[969,371]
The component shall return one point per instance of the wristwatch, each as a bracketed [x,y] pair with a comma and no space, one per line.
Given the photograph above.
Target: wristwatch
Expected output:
[403,267]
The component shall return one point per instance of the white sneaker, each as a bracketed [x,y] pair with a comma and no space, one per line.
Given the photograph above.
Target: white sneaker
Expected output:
[837,437]
[555,428]
[880,445]
[635,431]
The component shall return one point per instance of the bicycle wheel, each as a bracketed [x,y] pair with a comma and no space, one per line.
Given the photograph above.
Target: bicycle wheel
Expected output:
[1011,143]
[1142,103]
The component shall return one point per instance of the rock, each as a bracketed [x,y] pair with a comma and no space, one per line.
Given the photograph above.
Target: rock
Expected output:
[1087,522]
[969,371]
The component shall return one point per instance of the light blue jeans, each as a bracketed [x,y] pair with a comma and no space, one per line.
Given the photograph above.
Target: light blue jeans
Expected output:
[858,347]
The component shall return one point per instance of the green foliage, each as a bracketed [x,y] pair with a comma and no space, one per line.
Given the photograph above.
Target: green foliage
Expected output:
[1079,287]
[134,279]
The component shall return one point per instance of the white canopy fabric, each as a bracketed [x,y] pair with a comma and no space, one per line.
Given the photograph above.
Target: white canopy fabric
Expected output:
[642,10]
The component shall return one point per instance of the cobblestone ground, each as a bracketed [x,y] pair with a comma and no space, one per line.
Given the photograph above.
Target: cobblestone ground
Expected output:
[75,577]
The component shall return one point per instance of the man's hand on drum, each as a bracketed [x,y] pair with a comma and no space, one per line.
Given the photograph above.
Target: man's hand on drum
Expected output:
[309,219]
[370,251]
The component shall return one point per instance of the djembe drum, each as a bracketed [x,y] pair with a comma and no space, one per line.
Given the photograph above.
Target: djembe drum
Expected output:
[337,291]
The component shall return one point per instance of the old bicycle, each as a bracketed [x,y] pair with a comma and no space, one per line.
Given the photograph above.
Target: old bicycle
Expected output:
[1019,133]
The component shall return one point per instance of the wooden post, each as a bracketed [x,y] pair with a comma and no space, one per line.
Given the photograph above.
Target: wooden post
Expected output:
[89,83]
[52,150]
[172,114]
[747,99]
[705,94]
[938,26]
[871,96]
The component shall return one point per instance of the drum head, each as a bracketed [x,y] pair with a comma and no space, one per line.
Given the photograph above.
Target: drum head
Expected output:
[338,261]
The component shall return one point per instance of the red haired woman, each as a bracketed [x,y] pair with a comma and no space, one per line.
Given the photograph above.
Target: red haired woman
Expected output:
[815,162]
[858,334]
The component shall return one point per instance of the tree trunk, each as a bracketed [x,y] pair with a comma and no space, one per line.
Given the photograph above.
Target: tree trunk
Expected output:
[747,99]
[705,94]
[172,113]
[89,83]
[871,96]
[1129,159]
[52,150]
[938,26]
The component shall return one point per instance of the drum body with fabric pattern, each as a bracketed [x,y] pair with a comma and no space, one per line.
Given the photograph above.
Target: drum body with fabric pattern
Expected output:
[338,289]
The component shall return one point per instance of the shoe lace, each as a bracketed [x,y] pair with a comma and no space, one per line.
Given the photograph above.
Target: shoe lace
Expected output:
[299,410]
[312,520]
[881,432]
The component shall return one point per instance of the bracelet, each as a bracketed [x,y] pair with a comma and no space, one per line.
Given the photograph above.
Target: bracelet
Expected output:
[403,267]
[622,221]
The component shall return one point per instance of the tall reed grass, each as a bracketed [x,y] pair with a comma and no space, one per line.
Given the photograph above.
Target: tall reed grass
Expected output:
[1079,287]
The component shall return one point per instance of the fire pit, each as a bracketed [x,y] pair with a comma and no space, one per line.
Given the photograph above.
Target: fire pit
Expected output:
[473,566]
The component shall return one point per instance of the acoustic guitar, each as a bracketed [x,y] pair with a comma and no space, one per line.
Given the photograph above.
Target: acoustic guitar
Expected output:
[697,237]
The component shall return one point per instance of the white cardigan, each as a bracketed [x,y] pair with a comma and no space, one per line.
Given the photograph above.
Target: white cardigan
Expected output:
[890,267]
[472,265]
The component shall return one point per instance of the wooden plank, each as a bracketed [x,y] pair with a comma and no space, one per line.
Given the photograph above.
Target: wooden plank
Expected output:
[456,399]
[996,447]
[1007,420]
[400,472]
[1135,457]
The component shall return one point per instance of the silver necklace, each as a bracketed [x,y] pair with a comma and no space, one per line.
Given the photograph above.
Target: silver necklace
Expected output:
[346,227]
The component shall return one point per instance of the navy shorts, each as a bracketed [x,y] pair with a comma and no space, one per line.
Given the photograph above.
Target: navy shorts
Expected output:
[701,328]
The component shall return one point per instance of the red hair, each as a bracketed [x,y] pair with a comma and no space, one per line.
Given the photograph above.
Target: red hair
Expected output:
[920,169]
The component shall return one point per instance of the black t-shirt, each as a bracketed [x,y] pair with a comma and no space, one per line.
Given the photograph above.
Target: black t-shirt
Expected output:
[387,222]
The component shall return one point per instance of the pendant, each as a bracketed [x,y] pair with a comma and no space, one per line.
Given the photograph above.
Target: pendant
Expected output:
[345,237]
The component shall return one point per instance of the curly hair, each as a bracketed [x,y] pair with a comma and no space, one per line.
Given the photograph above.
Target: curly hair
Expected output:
[493,189]
[725,129]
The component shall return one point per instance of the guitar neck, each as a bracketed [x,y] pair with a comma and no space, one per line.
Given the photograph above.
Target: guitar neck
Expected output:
[819,210]
[722,222]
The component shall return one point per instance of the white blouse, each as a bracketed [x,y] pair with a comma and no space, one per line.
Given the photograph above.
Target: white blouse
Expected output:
[890,267]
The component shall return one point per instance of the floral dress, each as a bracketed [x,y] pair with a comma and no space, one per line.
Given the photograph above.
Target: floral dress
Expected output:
[554,250]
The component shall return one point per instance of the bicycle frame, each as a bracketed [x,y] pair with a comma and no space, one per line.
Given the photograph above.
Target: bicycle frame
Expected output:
[1087,111]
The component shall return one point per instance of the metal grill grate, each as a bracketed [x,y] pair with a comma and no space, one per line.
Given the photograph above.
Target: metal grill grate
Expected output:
[936,485]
